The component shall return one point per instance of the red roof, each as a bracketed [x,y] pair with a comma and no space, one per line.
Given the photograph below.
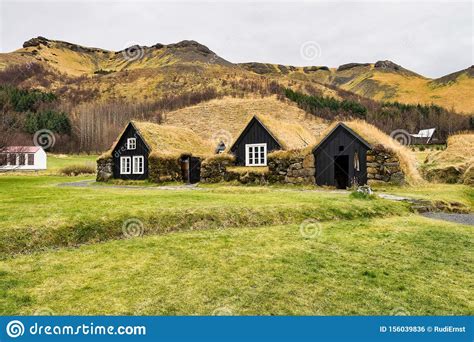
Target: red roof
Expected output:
[20,149]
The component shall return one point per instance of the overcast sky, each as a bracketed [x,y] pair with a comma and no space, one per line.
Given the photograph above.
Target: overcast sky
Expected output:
[431,38]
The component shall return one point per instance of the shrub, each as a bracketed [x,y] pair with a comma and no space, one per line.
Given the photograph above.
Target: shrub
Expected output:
[77,169]
[361,195]
[422,148]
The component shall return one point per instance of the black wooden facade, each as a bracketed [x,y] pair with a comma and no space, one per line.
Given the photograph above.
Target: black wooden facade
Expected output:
[341,158]
[254,133]
[121,150]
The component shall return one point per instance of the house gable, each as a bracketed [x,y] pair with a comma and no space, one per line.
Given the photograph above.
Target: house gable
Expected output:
[121,151]
[342,142]
[254,133]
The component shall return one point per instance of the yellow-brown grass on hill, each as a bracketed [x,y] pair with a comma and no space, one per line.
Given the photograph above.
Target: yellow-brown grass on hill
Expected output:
[375,136]
[459,150]
[225,118]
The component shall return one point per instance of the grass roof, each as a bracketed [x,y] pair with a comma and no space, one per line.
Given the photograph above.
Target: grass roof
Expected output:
[459,151]
[291,136]
[166,139]
[169,140]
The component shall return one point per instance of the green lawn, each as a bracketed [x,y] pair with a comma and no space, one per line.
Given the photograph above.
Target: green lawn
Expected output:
[64,250]
[447,193]
[36,213]
[386,266]
[58,161]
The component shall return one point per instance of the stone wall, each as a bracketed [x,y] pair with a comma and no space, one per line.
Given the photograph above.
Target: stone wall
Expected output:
[291,168]
[284,167]
[384,165]
[214,169]
[105,168]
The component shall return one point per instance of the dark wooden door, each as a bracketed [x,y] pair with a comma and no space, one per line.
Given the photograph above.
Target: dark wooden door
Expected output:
[194,170]
[341,171]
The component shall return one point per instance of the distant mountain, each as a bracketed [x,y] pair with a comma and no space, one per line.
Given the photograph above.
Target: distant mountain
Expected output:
[143,72]
[384,81]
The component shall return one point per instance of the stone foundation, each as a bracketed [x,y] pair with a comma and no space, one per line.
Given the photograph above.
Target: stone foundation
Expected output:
[105,169]
[383,165]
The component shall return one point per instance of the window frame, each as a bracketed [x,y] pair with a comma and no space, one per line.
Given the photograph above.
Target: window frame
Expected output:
[252,147]
[135,160]
[130,142]
[28,156]
[122,165]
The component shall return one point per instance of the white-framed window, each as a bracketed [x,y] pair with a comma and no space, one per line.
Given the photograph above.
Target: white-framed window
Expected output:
[255,154]
[125,165]
[131,143]
[138,165]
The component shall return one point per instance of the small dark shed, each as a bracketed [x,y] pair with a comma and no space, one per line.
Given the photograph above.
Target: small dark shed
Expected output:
[340,158]
[130,155]
[253,144]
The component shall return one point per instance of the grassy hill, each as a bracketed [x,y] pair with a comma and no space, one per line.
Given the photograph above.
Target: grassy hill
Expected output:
[455,164]
[225,118]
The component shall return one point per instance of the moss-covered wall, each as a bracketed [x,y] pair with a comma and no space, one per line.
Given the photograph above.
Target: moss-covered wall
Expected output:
[163,168]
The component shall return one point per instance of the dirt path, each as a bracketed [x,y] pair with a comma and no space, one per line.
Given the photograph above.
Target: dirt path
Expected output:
[457,218]
[92,183]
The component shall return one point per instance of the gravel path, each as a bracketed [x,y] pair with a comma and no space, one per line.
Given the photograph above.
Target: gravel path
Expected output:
[457,218]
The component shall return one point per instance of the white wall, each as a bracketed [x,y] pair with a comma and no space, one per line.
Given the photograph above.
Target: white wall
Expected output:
[40,162]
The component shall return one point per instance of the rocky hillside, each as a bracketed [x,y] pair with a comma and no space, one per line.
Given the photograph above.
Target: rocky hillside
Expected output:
[141,72]
[138,72]
[384,81]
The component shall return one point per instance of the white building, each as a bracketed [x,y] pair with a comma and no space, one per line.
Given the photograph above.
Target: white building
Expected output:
[22,158]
